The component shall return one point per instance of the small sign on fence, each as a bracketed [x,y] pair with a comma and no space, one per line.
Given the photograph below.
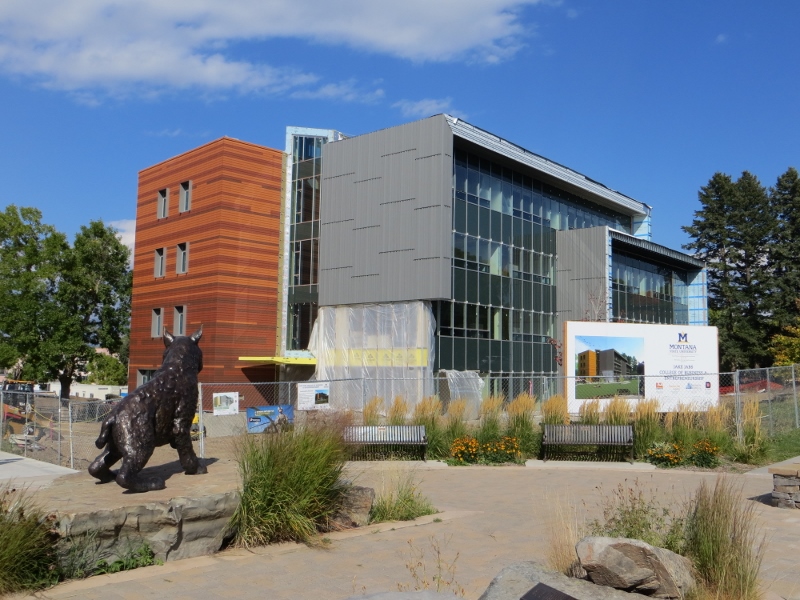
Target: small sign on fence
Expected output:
[313,395]
[226,403]
[269,419]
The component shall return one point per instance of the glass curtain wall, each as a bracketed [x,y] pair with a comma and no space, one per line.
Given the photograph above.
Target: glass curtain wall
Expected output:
[644,292]
[303,293]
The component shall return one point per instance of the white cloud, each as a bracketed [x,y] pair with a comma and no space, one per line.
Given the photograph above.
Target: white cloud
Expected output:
[347,91]
[427,107]
[145,47]
[721,38]
[126,232]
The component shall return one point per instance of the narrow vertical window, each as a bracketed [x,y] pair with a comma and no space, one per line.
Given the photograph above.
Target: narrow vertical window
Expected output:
[157,323]
[186,197]
[179,324]
[182,259]
[163,203]
[160,261]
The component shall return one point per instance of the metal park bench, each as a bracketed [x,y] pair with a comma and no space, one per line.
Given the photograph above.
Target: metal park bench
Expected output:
[371,442]
[619,436]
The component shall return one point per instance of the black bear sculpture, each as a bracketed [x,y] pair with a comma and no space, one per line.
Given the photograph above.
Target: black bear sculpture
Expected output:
[156,413]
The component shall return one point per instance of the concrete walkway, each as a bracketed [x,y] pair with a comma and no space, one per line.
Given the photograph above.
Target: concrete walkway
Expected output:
[492,517]
[27,472]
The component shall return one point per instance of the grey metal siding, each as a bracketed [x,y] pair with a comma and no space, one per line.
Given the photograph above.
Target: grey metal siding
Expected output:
[582,285]
[386,215]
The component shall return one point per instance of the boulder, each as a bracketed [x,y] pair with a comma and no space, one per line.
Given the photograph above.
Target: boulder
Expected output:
[355,508]
[635,566]
[515,581]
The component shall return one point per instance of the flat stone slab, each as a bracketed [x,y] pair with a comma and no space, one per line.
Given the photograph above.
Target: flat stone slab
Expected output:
[790,470]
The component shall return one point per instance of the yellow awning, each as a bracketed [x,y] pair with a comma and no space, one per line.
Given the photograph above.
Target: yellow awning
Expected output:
[280,360]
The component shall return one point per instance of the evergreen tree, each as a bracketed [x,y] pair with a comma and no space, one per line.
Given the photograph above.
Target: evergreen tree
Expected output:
[732,232]
[785,249]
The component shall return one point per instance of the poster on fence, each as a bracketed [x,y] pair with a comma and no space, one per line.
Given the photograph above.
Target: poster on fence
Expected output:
[669,363]
[226,403]
[313,395]
[270,419]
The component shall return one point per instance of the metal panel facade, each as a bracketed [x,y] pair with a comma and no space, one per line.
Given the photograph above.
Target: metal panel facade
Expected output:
[386,221]
[582,282]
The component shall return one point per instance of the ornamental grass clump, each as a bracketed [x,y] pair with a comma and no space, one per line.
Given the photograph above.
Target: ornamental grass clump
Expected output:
[521,425]
[718,424]
[28,558]
[555,411]
[491,411]
[617,411]
[400,500]
[589,412]
[291,484]
[723,542]
[398,411]
[752,448]
[646,426]
[454,421]
[372,411]
[428,412]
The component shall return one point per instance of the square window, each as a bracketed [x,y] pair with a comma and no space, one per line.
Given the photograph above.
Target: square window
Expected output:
[163,203]
[156,323]
[144,375]
[182,258]
[179,322]
[185,203]
[160,262]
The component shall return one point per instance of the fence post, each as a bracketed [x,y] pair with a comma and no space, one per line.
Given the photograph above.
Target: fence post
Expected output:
[769,401]
[2,417]
[201,435]
[60,412]
[25,429]
[738,408]
[71,446]
[794,397]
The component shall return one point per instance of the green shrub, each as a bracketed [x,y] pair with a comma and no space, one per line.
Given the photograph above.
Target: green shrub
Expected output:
[722,540]
[134,557]
[27,546]
[400,500]
[704,454]
[665,454]
[291,484]
[634,512]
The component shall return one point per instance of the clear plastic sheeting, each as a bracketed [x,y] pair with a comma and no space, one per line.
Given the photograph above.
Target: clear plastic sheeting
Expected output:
[467,386]
[389,346]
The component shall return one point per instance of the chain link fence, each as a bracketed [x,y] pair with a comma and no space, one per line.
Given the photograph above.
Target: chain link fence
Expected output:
[63,432]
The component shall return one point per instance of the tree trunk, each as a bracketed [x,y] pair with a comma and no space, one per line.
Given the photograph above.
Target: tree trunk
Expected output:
[66,382]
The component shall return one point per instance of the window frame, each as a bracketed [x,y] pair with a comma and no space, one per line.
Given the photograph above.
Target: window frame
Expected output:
[156,322]
[185,200]
[162,204]
[179,318]
[182,258]
[160,262]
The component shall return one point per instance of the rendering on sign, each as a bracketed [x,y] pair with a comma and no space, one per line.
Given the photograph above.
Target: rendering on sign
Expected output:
[313,395]
[226,403]
[670,363]
[269,419]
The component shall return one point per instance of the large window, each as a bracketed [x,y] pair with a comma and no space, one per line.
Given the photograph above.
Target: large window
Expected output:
[305,262]
[160,262]
[644,292]
[162,209]
[486,184]
[182,258]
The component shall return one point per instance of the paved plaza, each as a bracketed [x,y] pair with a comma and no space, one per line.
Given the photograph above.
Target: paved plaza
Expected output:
[491,517]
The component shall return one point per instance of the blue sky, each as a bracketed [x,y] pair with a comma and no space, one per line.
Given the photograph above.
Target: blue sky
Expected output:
[625,345]
[650,98]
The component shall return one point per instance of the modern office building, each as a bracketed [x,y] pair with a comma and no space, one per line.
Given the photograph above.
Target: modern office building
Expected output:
[429,246]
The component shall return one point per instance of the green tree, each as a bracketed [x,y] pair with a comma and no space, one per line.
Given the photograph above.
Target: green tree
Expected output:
[59,302]
[732,233]
[106,370]
[785,250]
